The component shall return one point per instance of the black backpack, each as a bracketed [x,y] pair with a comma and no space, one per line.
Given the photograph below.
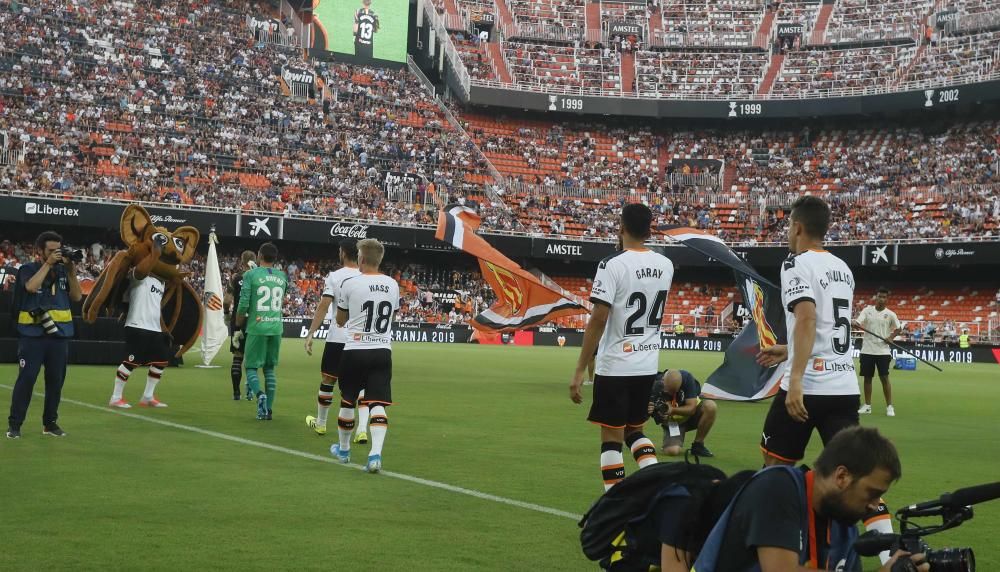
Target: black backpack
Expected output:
[613,530]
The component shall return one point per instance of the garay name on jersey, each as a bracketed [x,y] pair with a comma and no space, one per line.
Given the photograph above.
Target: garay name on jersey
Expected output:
[648,273]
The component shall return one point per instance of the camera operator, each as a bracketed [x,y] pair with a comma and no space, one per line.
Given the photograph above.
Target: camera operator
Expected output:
[675,404]
[43,291]
[789,519]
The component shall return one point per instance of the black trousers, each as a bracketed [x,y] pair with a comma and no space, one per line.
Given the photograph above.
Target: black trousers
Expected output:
[32,354]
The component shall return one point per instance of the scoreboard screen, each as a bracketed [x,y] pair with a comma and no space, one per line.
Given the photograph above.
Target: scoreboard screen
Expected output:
[364,29]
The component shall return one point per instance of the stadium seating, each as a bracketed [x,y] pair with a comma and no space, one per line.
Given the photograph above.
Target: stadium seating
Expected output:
[700,23]
[860,20]
[175,119]
[813,72]
[228,135]
[549,49]
[548,19]
[554,67]
[691,74]
[967,58]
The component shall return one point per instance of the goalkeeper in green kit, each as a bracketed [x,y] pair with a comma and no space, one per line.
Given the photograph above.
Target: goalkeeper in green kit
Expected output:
[261,298]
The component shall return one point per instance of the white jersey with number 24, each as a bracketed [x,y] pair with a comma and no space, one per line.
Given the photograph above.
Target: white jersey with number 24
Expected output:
[635,284]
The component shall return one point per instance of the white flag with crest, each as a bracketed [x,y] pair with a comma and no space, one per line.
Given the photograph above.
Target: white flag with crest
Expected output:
[215,332]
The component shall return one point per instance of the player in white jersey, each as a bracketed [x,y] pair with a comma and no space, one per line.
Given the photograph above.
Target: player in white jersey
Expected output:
[145,341]
[819,388]
[875,353]
[629,295]
[335,340]
[366,305]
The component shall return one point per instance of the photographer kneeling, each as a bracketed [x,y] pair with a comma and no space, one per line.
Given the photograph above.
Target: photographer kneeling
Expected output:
[42,294]
[676,405]
[787,519]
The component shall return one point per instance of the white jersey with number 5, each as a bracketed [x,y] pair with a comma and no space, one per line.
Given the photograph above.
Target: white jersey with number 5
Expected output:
[371,301]
[634,284]
[331,288]
[820,277]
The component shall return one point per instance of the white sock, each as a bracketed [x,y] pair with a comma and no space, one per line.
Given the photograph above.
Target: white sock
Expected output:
[325,399]
[644,452]
[152,378]
[612,468]
[345,425]
[363,414]
[882,522]
[121,378]
[379,427]
[119,390]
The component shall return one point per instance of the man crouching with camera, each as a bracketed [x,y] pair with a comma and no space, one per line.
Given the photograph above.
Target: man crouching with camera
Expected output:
[675,404]
[43,292]
[793,518]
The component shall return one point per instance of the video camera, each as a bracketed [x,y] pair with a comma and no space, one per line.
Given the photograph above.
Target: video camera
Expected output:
[660,409]
[953,508]
[74,256]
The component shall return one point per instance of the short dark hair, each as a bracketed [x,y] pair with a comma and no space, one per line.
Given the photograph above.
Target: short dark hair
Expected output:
[882,290]
[46,237]
[860,450]
[813,214]
[636,220]
[268,252]
[349,247]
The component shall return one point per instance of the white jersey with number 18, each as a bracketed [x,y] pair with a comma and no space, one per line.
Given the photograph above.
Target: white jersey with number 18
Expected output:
[370,301]
[634,284]
[822,278]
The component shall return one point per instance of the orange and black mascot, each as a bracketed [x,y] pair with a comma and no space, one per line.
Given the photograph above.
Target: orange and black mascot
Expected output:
[182,312]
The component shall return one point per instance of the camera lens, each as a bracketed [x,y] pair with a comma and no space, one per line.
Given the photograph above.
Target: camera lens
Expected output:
[951,560]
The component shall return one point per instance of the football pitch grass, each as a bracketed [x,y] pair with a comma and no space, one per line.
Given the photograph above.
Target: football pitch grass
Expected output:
[487,461]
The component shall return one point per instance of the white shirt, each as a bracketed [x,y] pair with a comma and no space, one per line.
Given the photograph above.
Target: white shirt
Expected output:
[144,299]
[820,277]
[370,301]
[635,284]
[331,288]
[880,323]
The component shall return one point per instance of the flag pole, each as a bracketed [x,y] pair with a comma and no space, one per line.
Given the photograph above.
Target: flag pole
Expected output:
[898,347]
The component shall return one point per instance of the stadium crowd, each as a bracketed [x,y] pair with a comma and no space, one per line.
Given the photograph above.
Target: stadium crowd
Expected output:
[114,99]
[132,101]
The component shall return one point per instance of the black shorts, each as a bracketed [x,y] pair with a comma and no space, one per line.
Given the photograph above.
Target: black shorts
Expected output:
[870,363]
[145,347]
[368,370]
[364,50]
[786,439]
[330,365]
[621,400]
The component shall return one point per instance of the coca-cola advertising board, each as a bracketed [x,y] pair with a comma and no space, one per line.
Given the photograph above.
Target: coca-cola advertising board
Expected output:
[334,231]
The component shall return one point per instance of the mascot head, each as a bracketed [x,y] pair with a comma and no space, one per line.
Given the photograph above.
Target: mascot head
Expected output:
[176,247]
[151,250]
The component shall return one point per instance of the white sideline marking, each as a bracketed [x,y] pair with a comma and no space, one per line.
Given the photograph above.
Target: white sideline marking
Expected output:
[324,459]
